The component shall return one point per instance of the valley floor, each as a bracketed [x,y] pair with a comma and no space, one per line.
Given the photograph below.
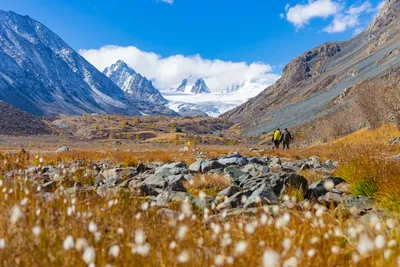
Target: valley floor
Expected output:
[83,207]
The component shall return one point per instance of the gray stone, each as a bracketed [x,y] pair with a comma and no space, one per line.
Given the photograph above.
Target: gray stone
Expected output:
[202,203]
[153,185]
[195,166]
[63,149]
[168,196]
[229,191]
[317,189]
[296,181]
[49,186]
[235,200]
[261,195]
[167,214]
[175,183]
[330,198]
[208,165]
[358,205]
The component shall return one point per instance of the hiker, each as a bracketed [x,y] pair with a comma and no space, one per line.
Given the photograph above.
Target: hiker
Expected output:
[286,138]
[276,138]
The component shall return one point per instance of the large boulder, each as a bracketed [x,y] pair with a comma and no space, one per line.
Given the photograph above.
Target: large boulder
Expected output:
[318,189]
[229,191]
[208,165]
[169,196]
[195,167]
[262,194]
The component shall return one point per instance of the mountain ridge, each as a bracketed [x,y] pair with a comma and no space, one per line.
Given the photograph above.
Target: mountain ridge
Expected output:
[315,78]
[43,75]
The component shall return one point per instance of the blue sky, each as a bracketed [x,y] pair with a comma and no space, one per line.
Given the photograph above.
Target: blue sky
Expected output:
[270,32]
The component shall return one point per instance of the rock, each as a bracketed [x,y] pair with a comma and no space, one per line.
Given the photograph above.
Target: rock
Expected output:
[49,186]
[168,196]
[142,168]
[257,161]
[174,168]
[317,189]
[394,141]
[202,203]
[167,214]
[330,198]
[236,176]
[314,161]
[235,200]
[184,149]
[229,191]
[153,185]
[208,165]
[296,181]
[262,195]
[113,176]
[254,149]
[330,164]
[175,183]
[275,161]
[358,205]
[255,169]
[63,149]
[195,166]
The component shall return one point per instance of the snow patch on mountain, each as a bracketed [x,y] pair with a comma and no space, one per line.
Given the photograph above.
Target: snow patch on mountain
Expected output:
[192,84]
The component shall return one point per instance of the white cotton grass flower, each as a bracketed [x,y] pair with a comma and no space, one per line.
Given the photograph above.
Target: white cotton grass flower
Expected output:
[80,244]
[311,253]
[182,231]
[387,253]
[355,258]
[38,212]
[240,248]
[380,242]
[390,223]
[172,245]
[92,227]
[365,244]
[291,262]
[114,251]
[329,184]
[145,206]
[392,243]
[335,249]
[138,216]
[142,250]
[263,219]
[140,237]
[286,244]
[36,230]
[24,201]
[97,237]
[120,231]
[16,214]
[183,257]
[271,259]
[202,195]
[89,255]
[186,209]
[219,260]
[68,243]
[230,260]
[2,243]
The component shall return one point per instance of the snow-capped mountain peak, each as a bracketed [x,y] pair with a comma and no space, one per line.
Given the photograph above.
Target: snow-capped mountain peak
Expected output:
[133,84]
[194,85]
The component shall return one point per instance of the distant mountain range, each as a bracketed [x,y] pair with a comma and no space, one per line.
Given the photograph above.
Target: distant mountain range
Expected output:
[312,82]
[194,85]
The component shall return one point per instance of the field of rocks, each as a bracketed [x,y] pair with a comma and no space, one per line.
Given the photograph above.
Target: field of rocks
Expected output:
[331,204]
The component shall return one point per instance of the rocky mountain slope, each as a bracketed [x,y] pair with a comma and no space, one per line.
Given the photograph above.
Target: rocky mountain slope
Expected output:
[14,121]
[43,75]
[133,83]
[314,79]
[139,91]
[193,85]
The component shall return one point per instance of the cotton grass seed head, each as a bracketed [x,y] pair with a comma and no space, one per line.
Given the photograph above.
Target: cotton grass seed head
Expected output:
[271,259]
[89,255]
[114,251]
[68,243]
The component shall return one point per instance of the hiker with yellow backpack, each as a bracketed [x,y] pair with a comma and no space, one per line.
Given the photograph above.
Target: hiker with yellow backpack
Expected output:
[276,138]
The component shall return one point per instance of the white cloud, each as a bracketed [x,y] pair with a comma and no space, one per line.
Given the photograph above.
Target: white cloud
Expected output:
[169,72]
[348,19]
[344,18]
[168,1]
[300,15]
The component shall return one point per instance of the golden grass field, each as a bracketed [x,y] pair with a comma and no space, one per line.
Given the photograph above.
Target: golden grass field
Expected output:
[122,230]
